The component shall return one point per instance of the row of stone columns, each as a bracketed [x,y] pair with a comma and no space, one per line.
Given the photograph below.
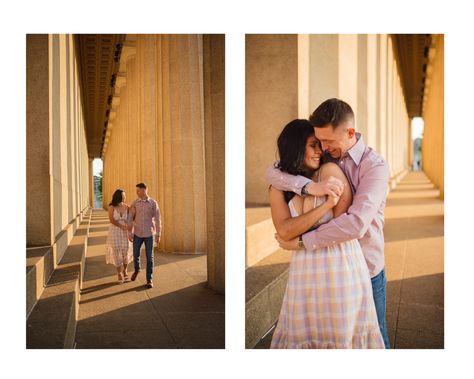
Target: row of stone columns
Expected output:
[158,134]
[361,69]
[57,158]
[288,76]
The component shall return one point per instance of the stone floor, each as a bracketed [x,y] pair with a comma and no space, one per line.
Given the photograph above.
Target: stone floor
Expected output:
[179,312]
[414,255]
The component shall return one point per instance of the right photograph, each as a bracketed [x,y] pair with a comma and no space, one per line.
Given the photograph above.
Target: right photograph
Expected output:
[344,191]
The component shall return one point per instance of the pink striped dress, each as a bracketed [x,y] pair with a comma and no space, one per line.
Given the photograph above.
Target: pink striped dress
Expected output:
[328,302]
[118,249]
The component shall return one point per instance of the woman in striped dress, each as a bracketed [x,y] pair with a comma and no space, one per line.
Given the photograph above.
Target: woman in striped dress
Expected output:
[328,301]
[118,248]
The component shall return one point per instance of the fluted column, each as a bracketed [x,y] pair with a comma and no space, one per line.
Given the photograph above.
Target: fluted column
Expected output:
[214,111]
[156,134]
[91,182]
[38,184]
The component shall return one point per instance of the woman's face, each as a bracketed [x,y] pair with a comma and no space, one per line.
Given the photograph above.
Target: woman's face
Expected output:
[313,153]
[123,196]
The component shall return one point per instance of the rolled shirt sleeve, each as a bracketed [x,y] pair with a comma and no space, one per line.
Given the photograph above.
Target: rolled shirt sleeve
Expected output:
[284,181]
[353,224]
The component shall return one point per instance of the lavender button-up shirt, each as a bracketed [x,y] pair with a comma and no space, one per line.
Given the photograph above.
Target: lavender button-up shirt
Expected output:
[368,175]
[147,219]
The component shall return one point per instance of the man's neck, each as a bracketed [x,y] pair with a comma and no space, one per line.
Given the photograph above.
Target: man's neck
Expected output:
[145,197]
[351,144]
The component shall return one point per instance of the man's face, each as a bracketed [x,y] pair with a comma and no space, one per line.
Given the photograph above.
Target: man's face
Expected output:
[336,141]
[141,192]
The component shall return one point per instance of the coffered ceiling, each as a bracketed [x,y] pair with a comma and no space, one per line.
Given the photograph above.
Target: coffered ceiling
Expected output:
[412,54]
[99,57]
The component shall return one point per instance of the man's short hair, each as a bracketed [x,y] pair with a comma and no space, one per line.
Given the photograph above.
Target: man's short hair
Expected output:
[332,112]
[141,185]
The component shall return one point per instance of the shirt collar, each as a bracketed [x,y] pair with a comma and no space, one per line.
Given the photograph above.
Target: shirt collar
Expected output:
[356,151]
[147,199]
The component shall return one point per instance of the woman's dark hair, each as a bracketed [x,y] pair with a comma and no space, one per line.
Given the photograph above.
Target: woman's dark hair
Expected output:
[117,197]
[291,149]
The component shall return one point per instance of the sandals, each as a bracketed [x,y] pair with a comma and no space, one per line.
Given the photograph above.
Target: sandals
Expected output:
[120,278]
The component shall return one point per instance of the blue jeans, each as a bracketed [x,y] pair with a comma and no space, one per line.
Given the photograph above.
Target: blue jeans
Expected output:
[379,290]
[137,244]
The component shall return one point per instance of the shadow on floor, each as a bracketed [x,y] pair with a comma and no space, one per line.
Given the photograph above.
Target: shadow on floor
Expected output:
[191,317]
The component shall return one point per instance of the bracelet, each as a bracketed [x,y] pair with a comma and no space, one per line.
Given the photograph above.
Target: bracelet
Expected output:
[300,243]
[304,192]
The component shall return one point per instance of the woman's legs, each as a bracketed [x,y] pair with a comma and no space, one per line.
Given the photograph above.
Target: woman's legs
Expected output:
[125,274]
[119,273]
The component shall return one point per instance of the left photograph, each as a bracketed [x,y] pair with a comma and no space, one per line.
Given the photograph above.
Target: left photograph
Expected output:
[125,191]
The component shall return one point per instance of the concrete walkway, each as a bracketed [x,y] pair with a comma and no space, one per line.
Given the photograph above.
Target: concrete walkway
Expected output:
[414,254]
[179,312]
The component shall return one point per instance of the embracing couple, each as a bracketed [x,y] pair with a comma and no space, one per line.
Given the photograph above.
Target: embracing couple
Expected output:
[327,195]
[135,224]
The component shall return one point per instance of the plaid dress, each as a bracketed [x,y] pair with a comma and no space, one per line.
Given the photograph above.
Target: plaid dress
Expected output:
[328,302]
[118,249]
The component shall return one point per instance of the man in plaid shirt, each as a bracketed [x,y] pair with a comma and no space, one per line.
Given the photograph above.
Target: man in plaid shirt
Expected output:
[145,214]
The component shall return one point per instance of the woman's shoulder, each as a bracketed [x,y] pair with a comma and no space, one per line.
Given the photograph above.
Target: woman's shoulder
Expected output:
[330,169]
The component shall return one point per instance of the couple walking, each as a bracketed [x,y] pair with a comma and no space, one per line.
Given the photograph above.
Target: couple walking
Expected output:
[327,197]
[132,225]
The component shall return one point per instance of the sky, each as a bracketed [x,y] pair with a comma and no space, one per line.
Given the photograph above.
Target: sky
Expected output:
[417,127]
[97,166]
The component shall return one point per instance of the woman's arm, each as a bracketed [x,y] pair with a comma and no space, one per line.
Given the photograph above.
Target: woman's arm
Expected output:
[289,227]
[112,220]
[129,218]
[333,170]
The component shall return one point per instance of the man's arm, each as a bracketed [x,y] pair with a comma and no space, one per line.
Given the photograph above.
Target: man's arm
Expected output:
[131,219]
[157,217]
[370,194]
[287,182]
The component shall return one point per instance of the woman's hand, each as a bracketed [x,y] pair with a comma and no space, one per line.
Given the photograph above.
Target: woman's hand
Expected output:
[332,200]
[287,245]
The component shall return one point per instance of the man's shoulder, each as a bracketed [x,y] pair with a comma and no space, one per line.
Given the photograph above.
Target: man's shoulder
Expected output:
[373,159]
[153,201]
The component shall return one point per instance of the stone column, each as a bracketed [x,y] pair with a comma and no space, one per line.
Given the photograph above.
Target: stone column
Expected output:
[38,179]
[371,131]
[214,120]
[183,195]
[156,134]
[347,64]
[382,95]
[433,115]
[304,107]
[91,183]
[324,69]
[271,101]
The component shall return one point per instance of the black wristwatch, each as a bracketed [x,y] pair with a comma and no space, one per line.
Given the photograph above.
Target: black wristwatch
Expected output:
[304,192]
[300,243]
